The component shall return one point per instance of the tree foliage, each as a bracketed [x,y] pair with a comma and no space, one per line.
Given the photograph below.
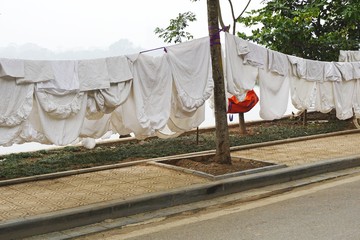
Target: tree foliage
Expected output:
[176,30]
[312,29]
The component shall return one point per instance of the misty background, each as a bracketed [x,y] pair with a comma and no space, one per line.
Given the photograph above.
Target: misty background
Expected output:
[32,51]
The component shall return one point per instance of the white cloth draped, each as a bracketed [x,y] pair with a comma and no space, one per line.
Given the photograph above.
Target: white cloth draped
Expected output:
[240,77]
[65,80]
[148,105]
[36,71]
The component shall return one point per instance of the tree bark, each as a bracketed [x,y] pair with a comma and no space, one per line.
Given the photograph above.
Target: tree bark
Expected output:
[222,132]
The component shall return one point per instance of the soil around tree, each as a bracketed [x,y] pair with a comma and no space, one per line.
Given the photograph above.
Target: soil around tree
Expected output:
[207,165]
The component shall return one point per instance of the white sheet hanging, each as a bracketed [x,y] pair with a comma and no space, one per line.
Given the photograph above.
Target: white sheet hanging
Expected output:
[16,102]
[59,118]
[12,68]
[240,77]
[343,98]
[93,74]
[147,108]
[274,94]
[191,69]
[107,100]
[324,97]
[346,70]
[298,66]
[349,56]
[252,54]
[65,80]
[274,85]
[119,69]
[36,71]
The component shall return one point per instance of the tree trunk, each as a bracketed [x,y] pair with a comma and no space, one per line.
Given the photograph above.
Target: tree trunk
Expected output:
[222,132]
[242,123]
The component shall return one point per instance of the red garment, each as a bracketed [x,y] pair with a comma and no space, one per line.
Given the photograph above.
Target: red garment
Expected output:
[241,107]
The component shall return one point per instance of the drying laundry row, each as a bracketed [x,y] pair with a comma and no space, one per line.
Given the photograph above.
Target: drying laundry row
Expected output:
[313,85]
[58,102]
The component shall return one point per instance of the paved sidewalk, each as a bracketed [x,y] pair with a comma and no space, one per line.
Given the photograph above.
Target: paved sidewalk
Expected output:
[25,201]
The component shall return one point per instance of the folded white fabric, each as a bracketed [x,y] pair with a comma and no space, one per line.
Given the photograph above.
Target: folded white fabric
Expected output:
[356,70]
[298,66]
[315,70]
[36,71]
[12,68]
[346,70]
[65,78]
[119,69]
[331,72]
[240,77]
[278,63]
[252,54]
[93,74]
[191,69]
[349,56]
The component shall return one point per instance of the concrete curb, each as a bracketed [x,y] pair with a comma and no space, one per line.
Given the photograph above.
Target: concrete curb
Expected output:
[70,218]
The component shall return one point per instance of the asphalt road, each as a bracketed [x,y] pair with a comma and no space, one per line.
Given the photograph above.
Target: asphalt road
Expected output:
[330,210]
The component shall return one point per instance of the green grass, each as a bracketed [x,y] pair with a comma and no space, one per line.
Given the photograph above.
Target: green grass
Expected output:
[69,158]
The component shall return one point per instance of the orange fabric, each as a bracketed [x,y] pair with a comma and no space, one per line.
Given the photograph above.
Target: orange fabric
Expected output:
[249,102]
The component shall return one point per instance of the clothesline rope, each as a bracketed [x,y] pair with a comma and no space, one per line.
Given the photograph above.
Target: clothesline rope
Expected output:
[154,49]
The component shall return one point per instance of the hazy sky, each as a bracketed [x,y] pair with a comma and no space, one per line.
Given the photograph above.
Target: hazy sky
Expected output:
[62,25]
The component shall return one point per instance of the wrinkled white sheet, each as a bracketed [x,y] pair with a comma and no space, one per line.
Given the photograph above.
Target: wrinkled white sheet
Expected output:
[36,71]
[93,74]
[12,68]
[147,109]
[65,80]
[240,77]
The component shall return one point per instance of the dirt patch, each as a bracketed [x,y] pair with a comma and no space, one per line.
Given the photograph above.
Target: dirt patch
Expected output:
[207,165]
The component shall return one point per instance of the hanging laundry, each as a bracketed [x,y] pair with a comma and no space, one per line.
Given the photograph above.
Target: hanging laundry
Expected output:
[252,54]
[147,109]
[190,64]
[298,66]
[65,80]
[349,56]
[274,86]
[235,106]
[346,70]
[15,108]
[93,74]
[240,77]
[118,69]
[331,72]
[324,97]
[59,117]
[343,98]
[36,71]
[12,68]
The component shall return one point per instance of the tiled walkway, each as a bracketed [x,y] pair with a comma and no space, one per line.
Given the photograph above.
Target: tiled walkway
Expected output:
[304,152]
[33,198]
[45,196]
